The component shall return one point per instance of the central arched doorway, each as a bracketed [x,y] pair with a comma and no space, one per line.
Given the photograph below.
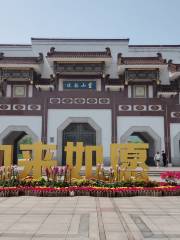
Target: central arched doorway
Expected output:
[79,132]
[74,129]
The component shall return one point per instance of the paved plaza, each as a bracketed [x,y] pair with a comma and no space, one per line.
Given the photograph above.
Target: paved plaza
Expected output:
[89,218]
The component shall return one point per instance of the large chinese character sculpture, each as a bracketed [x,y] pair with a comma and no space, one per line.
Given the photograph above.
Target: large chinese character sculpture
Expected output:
[41,158]
[7,161]
[128,161]
[79,149]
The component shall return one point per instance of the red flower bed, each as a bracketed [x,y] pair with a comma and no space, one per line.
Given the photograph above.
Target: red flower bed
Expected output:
[171,177]
[90,191]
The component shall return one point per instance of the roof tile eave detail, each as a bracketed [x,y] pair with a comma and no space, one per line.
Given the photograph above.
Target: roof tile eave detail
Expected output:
[79,54]
[20,60]
[81,39]
[88,56]
[155,45]
[141,61]
[174,67]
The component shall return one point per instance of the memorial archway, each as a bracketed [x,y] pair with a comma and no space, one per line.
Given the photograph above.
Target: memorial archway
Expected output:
[13,135]
[144,134]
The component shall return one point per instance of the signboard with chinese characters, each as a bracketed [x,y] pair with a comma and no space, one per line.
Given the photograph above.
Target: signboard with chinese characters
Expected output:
[79,84]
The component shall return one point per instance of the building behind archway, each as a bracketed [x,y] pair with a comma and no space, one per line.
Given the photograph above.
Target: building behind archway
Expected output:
[104,89]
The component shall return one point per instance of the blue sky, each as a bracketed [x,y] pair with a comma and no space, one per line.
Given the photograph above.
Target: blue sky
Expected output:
[143,21]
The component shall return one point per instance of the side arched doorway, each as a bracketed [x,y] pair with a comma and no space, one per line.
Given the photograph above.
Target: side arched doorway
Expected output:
[16,135]
[80,129]
[143,134]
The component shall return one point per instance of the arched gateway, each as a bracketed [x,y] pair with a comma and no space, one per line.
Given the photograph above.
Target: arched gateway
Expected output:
[147,135]
[12,135]
[77,129]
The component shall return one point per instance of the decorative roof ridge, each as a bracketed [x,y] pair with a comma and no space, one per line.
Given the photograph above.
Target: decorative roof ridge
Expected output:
[173,67]
[140,59]
[53,53]
[14,45]
[31,59]
[81,39]
[150,57]
[166,45]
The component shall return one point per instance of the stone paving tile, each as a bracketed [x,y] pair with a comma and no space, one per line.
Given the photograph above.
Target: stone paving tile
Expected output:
[16,238]
[93,226]
[89,218]
[113,227]
[74,226]
[116,236]
[4,226]
[9,218]
[31,218]
[47,238]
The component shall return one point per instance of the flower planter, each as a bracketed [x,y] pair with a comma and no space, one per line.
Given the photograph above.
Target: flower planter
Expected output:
[90,191]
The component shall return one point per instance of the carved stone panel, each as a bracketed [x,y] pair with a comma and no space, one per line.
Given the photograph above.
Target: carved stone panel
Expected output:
[17,74]
[139,75]
[66,68]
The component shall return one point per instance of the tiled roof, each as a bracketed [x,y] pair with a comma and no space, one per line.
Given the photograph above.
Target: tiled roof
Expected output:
[174,67]
[14,45]
[153,46]
[82,39]
[63,54]
[141,60]
[20,60]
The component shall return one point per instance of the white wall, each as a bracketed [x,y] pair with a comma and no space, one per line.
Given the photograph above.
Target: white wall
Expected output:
[65,45]
[175,157]
[8,91]
[150,91]
[167,52]
[174,130]
[33,122]
[16,51]
[156,123]
[102,117]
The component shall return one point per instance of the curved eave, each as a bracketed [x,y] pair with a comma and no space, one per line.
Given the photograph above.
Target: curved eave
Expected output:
[173,76]
[122,67]
[79,73]
[36,67]
[78,59]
